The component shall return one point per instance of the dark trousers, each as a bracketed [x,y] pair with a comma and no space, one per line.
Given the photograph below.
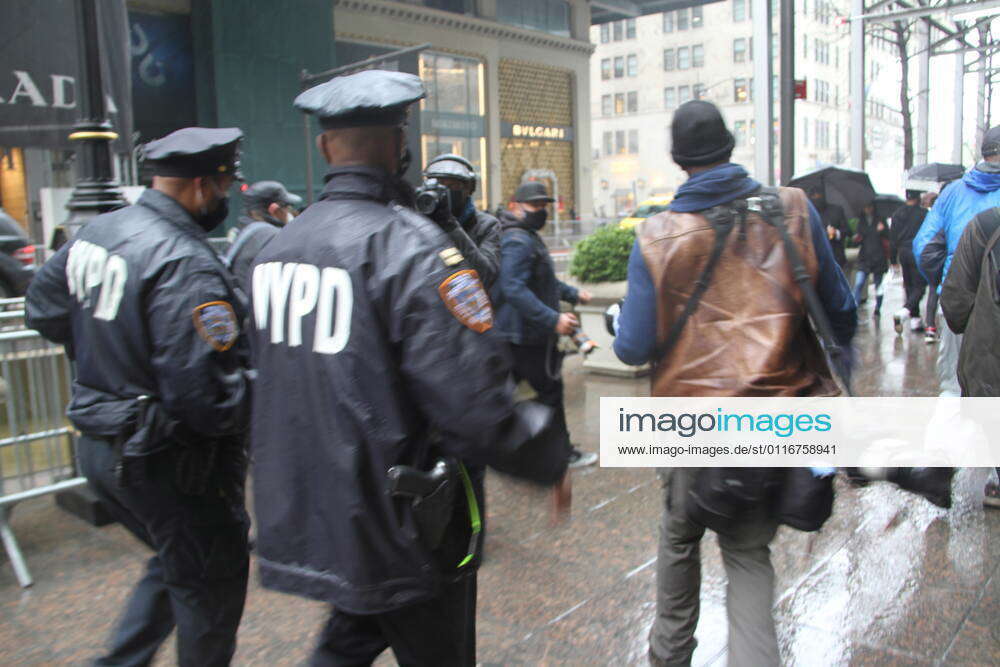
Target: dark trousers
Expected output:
[913,283]
[197,577]
[437,632]
[541,367]
[932,305]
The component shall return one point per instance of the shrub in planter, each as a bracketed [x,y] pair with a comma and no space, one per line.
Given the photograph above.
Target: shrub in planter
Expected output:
[603,256]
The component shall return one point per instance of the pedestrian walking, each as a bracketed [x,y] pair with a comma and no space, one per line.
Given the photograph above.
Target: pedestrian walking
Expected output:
[748,337]
[152,318]
[905,224]
[872,237]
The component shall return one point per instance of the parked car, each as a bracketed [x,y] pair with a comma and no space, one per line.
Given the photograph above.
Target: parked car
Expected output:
[17,258]
[647,208]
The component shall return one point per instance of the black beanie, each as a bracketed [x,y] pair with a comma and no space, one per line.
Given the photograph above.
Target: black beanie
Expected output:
[991,142]
[699,135]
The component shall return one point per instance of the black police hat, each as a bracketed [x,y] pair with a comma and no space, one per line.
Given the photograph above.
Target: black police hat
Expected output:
[369,98]
[195,151]
[532,191]
[264,193]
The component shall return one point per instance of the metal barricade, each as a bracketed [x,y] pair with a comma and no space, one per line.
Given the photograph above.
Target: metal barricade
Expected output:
[36,441]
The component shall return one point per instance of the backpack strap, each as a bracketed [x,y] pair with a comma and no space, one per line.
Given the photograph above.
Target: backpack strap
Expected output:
[723,219]
[766,203]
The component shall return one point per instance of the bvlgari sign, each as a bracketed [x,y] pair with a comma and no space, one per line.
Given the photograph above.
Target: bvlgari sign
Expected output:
[39,67]
[534,131]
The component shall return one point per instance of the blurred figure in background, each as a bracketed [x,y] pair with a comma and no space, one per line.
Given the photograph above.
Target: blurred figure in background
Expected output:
[870,237]
[906,223]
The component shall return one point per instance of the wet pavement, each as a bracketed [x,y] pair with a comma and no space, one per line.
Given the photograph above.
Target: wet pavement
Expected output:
[890,580]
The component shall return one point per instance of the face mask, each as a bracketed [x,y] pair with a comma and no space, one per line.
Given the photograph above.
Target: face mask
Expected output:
[459,202]
[536,219]
[210,218]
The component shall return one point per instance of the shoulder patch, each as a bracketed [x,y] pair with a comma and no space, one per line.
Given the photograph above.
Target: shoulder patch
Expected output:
[216,323]
[464,295]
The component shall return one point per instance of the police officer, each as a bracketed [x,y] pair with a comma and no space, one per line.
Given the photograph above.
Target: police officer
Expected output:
[373,339]
[476,234]
[149,313]
[269,207]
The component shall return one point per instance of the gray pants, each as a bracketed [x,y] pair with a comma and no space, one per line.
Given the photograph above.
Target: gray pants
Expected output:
[947,360]
[749,594]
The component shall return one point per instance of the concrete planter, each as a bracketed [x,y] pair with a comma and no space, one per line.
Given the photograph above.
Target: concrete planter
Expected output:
[603,360]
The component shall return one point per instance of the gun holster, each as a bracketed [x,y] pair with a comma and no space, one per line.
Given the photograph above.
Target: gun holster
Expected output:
[432,497]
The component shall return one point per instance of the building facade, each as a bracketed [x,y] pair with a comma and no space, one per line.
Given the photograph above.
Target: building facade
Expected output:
[508,85]
[644,68]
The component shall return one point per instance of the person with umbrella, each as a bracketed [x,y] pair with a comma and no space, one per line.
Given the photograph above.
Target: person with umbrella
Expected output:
[834,222]
[871,233]
[906,222]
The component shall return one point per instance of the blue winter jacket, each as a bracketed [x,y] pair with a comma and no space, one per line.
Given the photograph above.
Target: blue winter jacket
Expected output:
[527,293]
[635,342]
[960,202]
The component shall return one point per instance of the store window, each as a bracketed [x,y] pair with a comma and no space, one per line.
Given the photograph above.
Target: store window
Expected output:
[452,116]
[551,16]
[605,69]
[633,65]
[669,61]
[633,102]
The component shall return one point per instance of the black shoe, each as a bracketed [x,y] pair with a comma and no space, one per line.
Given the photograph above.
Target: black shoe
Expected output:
[933,484]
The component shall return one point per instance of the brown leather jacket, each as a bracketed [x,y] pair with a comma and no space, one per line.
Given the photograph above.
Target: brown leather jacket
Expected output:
[749,335]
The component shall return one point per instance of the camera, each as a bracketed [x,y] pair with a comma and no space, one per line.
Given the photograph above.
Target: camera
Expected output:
[430,196]
[582,341]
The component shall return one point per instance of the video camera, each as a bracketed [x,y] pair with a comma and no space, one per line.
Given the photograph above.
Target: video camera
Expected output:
[430,195]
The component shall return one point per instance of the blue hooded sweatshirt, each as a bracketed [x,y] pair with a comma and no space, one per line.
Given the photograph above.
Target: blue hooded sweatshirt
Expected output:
[635,340]
[960,202]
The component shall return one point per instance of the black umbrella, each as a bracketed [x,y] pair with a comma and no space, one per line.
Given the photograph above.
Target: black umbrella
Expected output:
[848,188]
[938,172]
[886,205]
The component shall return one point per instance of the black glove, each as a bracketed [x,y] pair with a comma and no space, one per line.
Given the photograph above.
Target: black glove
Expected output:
[442,214]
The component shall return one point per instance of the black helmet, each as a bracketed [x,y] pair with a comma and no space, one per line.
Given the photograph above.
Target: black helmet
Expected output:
[532,191]
[454,166]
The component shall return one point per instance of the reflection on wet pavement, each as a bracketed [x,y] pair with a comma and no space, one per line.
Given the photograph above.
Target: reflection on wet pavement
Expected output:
[889,580]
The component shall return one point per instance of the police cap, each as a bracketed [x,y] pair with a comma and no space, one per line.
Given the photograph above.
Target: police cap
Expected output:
[196,151]
[264,193]
[532,191]
[369,98]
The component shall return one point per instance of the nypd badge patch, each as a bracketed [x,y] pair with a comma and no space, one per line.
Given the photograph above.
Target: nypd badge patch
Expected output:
[465,297]
[216,323]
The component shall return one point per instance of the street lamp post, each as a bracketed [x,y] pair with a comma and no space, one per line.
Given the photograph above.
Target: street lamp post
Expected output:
[96,190]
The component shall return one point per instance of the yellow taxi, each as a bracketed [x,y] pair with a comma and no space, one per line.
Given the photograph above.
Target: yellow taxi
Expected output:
[647,208]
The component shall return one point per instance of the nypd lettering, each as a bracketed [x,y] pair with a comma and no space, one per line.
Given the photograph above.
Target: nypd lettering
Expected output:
[90,266]
[285,293]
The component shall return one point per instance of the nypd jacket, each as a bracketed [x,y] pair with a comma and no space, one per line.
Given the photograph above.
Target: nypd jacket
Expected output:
[147,308]
[479,242]
[527,294]
[374,346]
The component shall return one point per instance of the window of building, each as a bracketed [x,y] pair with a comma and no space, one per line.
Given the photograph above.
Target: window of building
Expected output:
[606,107]
[633,65]
[619,67]
[633,101]
[633,142]
[805,47]
[740,133]
[620,146]
[453,113]
[697,17]
[609,143]
[836,57]
[605,69]
[739,10]
[669,63]
[683,94]
[619,103]
[629,28]
[805,132]
[668,21]
[697,55]
[805,7]
[739,50]
[605,33]
[698,91]
[669,97]
[551,16]
[618,29]
[683,58]
[741,90]
[682,19]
